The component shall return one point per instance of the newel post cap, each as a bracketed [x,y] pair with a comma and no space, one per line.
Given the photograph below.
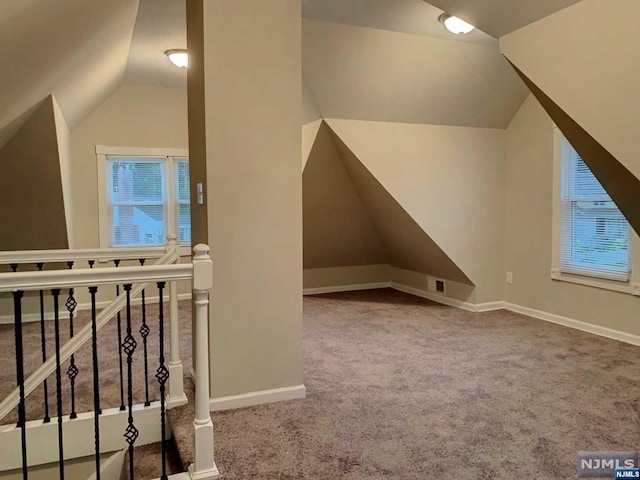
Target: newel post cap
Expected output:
[202,268]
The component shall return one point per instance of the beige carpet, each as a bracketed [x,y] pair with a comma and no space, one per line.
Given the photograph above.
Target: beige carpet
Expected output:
[402,388]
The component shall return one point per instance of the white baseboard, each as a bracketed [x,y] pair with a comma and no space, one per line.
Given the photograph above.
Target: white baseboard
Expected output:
[42,445]
[35,317]
[576,324]
[489,306]
[345,288]
[452,302]
[257,398]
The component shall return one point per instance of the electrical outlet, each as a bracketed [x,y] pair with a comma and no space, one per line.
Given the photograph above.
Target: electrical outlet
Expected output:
[509,278]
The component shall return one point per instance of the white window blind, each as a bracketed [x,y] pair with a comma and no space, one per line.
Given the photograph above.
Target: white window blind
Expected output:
[595,234]
[142,201]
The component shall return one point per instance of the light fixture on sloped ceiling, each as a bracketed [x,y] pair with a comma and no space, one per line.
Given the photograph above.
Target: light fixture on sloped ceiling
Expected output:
[455,25]
[178,56]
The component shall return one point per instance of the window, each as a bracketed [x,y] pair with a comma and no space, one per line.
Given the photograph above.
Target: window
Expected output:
[144,196]
[593,242]
[595,234]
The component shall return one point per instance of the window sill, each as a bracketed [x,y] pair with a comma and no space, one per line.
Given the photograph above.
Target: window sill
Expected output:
[629,288]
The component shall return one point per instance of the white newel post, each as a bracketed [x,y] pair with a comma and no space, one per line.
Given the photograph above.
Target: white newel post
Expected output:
[176,395]
[204,466]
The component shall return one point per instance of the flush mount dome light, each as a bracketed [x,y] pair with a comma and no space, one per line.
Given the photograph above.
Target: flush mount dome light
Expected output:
[178,56]
[455,25]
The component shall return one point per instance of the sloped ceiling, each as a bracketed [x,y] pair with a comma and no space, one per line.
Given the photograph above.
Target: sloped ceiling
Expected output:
[407,245]
[74,49]
[499,17]
[161,25]
[337,231]
[39,221]
[370,74]
[406,16]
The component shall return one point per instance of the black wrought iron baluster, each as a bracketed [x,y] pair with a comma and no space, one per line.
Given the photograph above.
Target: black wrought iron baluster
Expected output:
[17,316]
[56,316]
[162,375]
[96,380]
[122,407]
[144,333]
[72,371]
[129,346]
[43,347]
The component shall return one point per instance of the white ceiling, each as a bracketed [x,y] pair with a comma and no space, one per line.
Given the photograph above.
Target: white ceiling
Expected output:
[406,16]
[74,49]
[499,17]
[368,74]
[81,51]
[161,25]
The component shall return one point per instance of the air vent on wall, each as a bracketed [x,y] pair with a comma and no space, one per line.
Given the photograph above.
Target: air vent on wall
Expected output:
[437,285]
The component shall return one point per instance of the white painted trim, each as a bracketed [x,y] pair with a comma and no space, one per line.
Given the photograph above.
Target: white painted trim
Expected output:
[42,438]
[35,317]
[257,398]
[489,306]
[87,277]
[98,254]
[345,288]
[576,324]
[142,151]
[169,156]
[452,302]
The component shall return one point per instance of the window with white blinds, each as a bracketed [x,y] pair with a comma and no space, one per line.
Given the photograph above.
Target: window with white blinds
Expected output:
[595,236]
[147,198]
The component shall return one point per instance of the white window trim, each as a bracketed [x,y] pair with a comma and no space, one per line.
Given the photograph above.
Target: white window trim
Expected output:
[631,287]
[102,152]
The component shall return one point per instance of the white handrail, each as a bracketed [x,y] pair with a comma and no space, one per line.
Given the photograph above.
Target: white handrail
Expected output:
[84,334]
[48,256]
[87,277]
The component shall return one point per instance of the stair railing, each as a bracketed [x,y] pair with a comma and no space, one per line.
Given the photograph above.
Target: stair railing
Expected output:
[134,280]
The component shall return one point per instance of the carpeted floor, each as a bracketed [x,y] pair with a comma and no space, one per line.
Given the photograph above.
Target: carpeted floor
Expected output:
[108,361]
[147,458]
[402,388]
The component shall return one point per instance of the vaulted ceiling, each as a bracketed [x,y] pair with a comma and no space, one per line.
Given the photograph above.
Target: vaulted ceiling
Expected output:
[385,60]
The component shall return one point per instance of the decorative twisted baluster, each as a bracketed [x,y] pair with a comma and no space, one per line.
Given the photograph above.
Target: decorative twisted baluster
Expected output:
[96,380]
[129,346]
[122,407]
[17,316]
[162,375]
[144,333]
[43,348]
[72,371]
[56,315]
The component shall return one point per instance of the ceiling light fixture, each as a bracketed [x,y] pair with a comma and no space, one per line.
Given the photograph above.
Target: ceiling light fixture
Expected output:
[455,25]
[178,56]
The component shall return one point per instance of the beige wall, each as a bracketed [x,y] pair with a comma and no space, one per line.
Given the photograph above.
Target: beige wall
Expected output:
[585,59]
[134,116]
[370,74]
[31,189]
[528,237]
[251,151]
[64,153]
[337,230]
[345,276]
[449,180]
